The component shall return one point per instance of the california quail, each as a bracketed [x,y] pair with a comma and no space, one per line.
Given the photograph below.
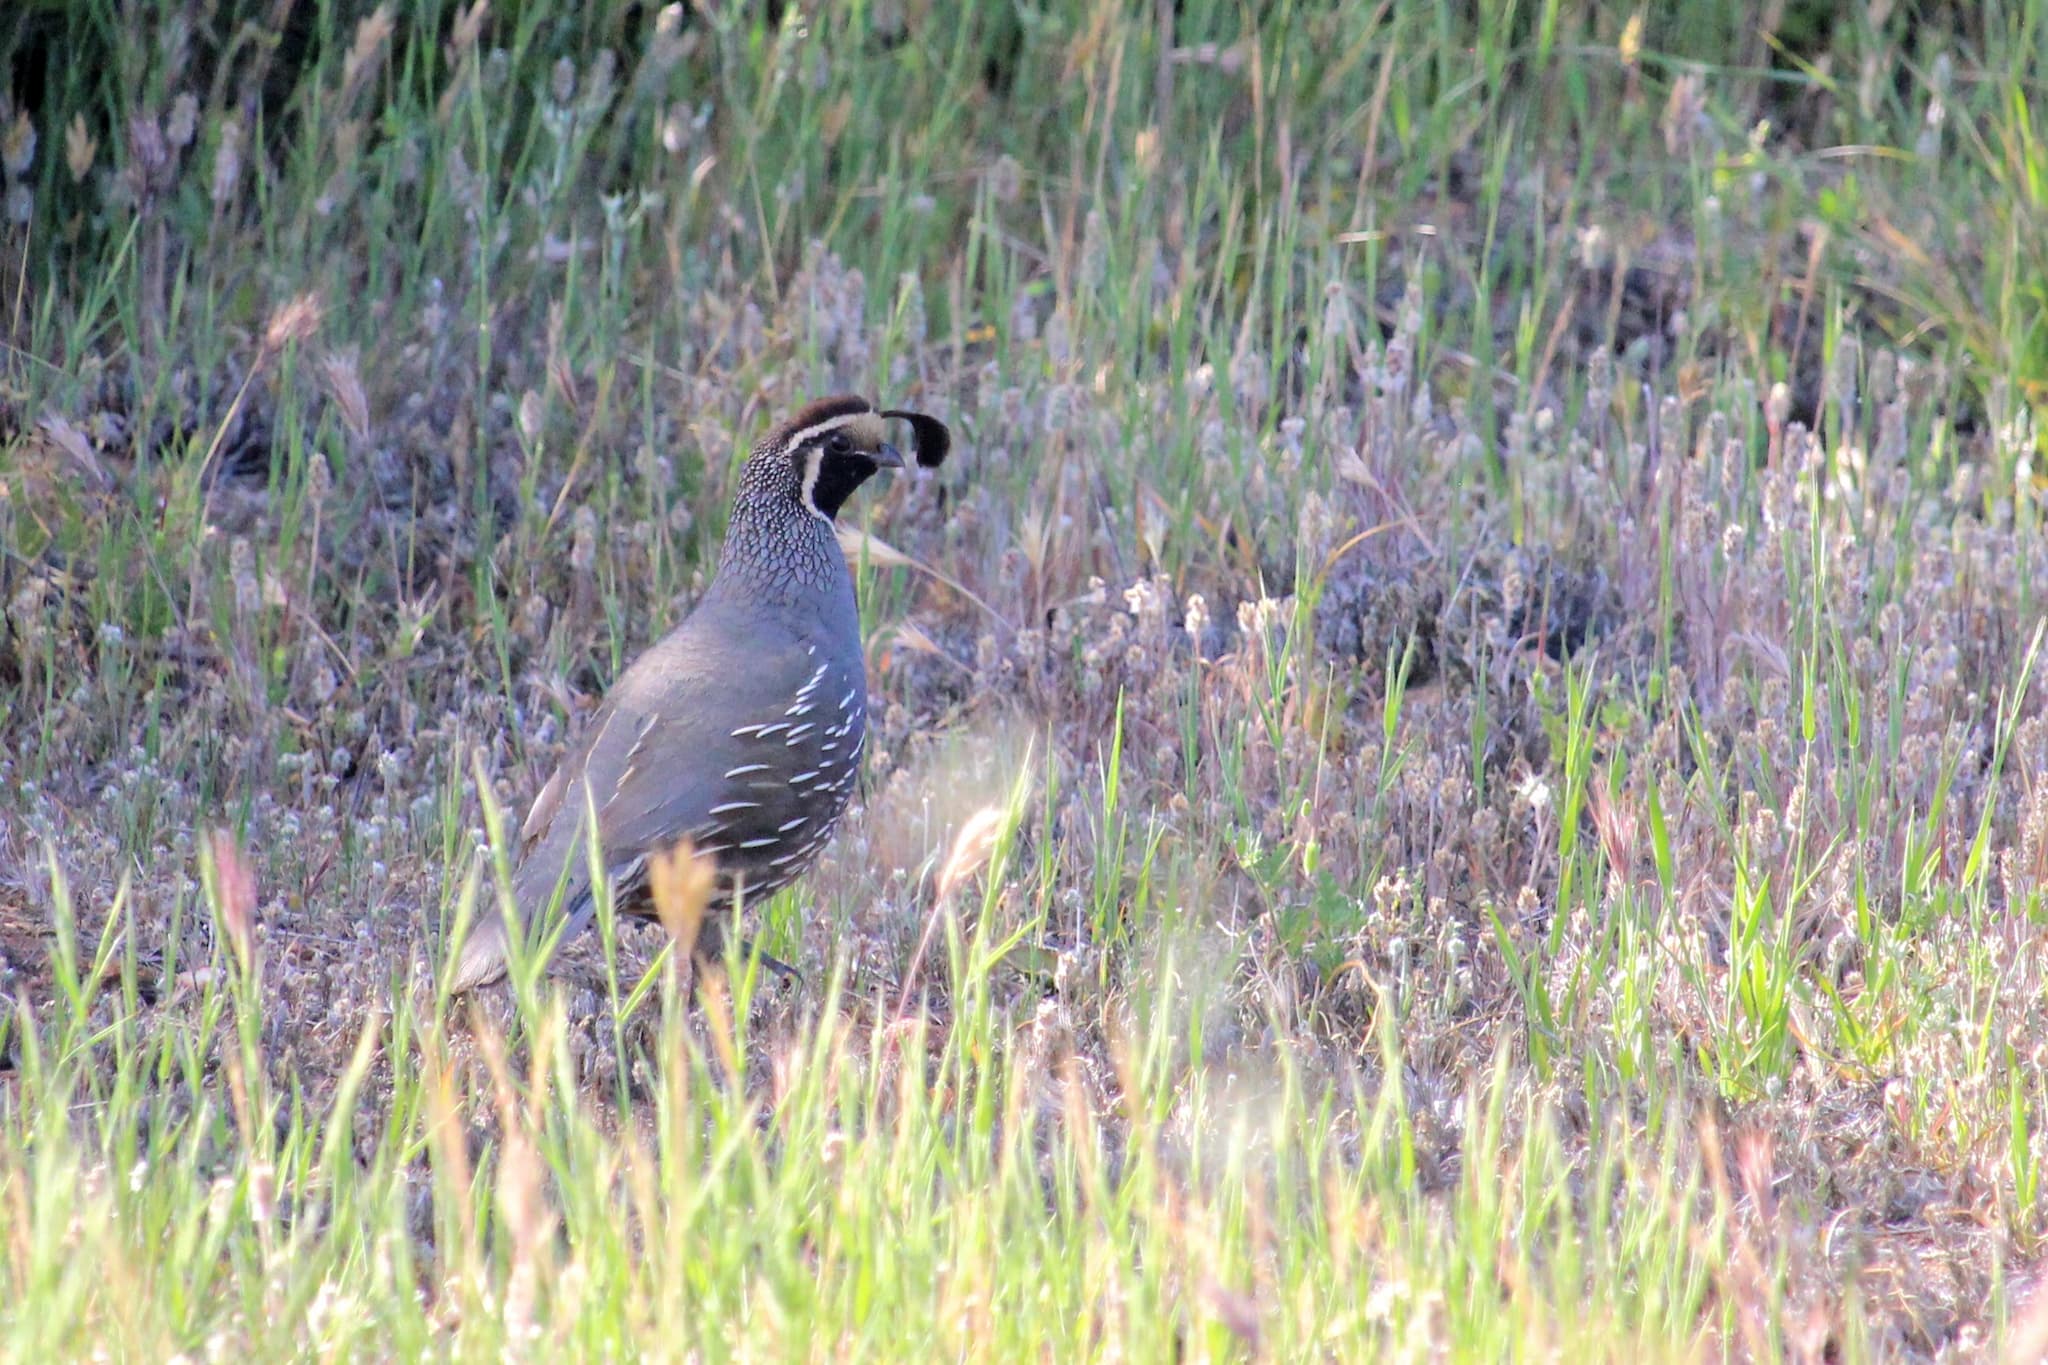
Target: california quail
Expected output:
[742,728]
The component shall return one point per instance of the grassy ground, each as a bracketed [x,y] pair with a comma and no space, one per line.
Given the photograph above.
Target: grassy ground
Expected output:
[1466,727]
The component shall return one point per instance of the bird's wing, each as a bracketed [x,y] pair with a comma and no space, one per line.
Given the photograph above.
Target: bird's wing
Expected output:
[612,751]
[552,850]
[692,740]
[691,743]
[549,799]
[720,775]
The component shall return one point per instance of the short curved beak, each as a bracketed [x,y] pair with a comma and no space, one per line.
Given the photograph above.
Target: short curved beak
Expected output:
[888,457]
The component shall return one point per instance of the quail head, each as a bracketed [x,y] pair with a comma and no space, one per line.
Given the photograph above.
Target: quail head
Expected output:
[741,730]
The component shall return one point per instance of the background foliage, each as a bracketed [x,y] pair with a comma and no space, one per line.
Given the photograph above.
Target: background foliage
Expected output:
[1456,758]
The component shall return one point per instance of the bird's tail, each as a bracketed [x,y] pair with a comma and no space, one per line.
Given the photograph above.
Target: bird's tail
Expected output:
[483,957]
[483,954]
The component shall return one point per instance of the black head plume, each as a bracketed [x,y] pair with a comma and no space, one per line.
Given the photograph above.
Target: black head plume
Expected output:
[821,455]
[930,441]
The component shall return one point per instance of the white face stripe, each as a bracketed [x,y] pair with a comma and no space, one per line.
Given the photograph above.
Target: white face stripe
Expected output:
[866,429]
[810,500]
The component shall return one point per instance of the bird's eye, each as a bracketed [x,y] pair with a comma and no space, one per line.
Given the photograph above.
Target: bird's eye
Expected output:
[838,444]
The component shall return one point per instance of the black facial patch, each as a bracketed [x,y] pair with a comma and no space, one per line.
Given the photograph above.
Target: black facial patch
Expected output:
[838,475]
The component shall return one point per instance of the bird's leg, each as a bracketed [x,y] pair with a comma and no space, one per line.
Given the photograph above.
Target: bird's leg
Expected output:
[785,975]
[709,951]
[788,976]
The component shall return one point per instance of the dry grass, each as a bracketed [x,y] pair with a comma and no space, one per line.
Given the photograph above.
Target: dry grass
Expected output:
[1455,764]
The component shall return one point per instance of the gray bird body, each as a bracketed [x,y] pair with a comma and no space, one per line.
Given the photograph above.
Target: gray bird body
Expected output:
[741,729]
